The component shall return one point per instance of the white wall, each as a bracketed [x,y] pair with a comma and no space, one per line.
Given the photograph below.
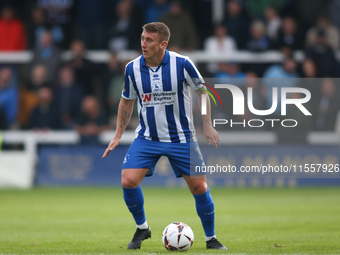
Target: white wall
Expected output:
[16,170]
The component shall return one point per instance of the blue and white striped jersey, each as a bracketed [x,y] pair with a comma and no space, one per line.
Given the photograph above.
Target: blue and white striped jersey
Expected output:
[164,97]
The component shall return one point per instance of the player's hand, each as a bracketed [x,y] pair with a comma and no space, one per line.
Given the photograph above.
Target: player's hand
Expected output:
[211,135]
[113,144]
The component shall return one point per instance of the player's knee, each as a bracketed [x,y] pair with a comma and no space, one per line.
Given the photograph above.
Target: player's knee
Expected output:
[129,183]
[199,188]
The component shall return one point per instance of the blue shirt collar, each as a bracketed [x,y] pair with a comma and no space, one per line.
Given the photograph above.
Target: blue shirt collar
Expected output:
[164,61]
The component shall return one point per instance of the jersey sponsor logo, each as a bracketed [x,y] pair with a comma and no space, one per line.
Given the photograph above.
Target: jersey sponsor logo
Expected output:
[146,97]
[159,98]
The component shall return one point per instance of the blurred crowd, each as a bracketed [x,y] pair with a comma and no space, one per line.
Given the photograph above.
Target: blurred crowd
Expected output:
[51,93]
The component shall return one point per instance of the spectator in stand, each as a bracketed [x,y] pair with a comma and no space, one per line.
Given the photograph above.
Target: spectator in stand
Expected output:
[28,98]
[273,22]
[85,70]
[237,23]
[287,72]
[289,35]
[38,78]
[287,52]
[48,55]
[156,10]
[12,36]
[12,72]
[8,96]
[110,71]
[327,106]
[310,81]
[323,55]
[259,40]
[3,120]
[123,30]
[221,42]
[182,27]
[35,27]
[92,121]
[331,33]
[12,31]
[58,18]
[288,69]
[15,74]
[46,114]
[93,19]
[69,96]
[309,69]
[230,73]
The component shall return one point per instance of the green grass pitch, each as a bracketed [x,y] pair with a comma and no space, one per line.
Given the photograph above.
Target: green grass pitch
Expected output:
[96,221]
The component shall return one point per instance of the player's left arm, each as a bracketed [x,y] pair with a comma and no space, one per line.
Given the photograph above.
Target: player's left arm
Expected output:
[210,134]
[194,80]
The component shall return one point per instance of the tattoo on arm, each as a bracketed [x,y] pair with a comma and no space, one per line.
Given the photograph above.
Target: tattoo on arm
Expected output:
[125,116]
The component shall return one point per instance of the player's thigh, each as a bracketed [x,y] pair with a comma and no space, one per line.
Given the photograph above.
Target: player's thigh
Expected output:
[197,184]
[184,158]
[142,154]
[132,177]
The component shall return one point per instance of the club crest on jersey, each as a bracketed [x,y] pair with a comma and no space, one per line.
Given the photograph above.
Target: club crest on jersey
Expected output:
[126,158]
[156,86]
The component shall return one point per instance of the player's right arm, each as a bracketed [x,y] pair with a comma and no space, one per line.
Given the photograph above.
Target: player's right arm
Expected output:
[125,110]
[125,107]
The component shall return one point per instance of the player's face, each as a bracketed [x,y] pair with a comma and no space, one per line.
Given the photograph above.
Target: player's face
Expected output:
[152,47]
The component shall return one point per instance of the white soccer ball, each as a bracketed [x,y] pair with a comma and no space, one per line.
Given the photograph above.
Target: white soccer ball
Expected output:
[178,236]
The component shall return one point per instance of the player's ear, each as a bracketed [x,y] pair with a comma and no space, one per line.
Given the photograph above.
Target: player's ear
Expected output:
[164,44]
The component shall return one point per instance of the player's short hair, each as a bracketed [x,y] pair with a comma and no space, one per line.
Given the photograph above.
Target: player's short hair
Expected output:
[160,28]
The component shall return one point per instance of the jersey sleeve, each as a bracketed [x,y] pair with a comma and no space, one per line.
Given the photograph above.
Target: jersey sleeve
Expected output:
[129,91]
[192,76]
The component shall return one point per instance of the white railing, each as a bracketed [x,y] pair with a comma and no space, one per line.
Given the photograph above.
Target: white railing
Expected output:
[196,56]
[31,139]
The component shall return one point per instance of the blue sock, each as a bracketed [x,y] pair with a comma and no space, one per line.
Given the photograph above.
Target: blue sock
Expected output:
[134,200]
[206,211]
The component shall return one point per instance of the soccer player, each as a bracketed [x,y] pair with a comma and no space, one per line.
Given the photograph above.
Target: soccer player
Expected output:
[162,82]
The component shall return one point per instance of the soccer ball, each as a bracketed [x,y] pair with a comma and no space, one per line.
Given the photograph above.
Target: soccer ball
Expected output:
[178,236]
